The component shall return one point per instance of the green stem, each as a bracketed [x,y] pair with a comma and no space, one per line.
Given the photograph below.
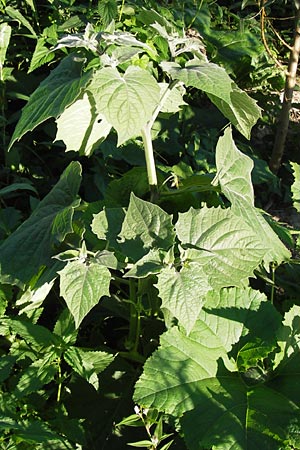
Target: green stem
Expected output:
[150,162]
[273,285]
[121,10]
[58,397]
[148,145]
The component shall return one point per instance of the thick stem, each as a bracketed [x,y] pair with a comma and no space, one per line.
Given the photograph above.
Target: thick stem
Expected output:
[150,162]
[148,146]
[284,117]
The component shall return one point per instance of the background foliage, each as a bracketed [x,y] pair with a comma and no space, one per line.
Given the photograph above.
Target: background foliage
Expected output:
[147,302]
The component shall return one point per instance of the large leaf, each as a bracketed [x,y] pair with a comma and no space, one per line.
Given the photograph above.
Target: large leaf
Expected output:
[236,105]
[234,178]
[222,243]
[145,226]
[188,376]
[206,76]
[80,128]
[172,375]
[31,245]
[242,110]
[233,171]
[59,90]
[183,293]
[82,284]
[127,101]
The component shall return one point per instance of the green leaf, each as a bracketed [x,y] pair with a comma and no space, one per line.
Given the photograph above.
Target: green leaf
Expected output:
[233,171]
[30,246]
[174,100]
[17,186]
[5,33]
[295,188]
[108,10]
[206,76]
[141,444]
[82,284]
[35,334]
[174,373]
[107,224]
[222,243]
[88,364]
[186,376]
[288,337]
[127,101]
[36,431]
[6,364]
[241,110]
[65,327]
[183,293]
[230,416]
[16,15]
[231,163]
[38,374]
[41,55]
[80,128]
[146,226]
[59,90]
[150,264]
[236,105]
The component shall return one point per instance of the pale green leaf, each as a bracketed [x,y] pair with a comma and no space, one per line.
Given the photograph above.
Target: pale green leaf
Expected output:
[233,170]
[80,128]
[150,264]
[186,376]
[222,243]
[288,336]
[30,246]
[206,76]
[295,188]
[236,105]
[141,444]
[5,33]
[59,90]
[145,226]
[107,225]
[242,111]
[174,100]
[127,101]
[82,284]
[234,178]
[183,293]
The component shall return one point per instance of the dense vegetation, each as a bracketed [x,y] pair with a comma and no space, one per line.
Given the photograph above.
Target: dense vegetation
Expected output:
[149,257]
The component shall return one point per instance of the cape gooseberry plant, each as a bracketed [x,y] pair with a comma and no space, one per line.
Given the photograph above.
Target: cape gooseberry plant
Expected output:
[227,366]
